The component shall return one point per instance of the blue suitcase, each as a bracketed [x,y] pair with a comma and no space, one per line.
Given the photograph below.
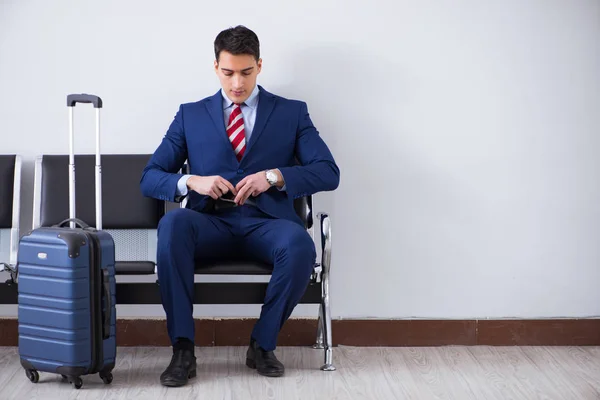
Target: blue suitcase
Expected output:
[66,284]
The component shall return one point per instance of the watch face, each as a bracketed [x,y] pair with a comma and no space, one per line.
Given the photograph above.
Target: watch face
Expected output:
[271,177]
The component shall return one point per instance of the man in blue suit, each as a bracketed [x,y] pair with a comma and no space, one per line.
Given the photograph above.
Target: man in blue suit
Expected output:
[255,152]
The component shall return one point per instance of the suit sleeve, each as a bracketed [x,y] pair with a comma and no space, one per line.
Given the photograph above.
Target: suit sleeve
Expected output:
[317,170]
[161,174]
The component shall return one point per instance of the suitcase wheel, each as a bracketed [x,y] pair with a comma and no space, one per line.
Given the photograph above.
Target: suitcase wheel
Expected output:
[77,382]
[32,375]
[107,378]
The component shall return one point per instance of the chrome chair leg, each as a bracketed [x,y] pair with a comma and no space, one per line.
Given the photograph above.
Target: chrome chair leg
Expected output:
[319,343]
[325,310]
[328,366]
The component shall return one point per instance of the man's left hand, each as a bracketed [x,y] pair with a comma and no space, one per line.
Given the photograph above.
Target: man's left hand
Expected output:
[252,185]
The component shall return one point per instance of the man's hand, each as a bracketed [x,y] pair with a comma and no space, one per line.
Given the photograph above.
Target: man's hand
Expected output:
[254,185]
[213,186]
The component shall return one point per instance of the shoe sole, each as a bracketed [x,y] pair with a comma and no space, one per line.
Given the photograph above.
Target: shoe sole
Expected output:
[251,364]
[170,383]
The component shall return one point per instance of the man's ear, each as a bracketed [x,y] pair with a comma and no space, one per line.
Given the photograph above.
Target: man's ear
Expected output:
[259,65]
[216,66]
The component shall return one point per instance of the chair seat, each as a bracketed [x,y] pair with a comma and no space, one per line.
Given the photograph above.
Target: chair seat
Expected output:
[234,268]
[134,267]
[211,268]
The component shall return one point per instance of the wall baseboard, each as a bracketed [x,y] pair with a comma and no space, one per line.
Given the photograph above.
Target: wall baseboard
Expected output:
[362,332]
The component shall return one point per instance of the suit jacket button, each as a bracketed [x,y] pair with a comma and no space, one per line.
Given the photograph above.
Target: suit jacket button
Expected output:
[240,171]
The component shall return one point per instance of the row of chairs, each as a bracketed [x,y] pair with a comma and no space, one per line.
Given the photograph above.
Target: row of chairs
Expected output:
[132,220]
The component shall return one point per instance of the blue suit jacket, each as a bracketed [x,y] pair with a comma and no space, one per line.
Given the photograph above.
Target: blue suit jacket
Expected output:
[283,137]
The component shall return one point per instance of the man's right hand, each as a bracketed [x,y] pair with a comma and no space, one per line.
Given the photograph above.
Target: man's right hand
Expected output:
[213,186]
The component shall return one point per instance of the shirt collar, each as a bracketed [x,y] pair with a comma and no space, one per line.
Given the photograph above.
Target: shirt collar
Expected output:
[251,101]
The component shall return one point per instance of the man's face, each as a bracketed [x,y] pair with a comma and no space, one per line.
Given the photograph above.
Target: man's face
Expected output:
[237,75]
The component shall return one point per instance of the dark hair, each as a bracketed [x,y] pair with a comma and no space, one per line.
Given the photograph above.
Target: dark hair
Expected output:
[238,40]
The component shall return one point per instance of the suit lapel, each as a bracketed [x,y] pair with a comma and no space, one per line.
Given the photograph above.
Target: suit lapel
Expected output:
[215,109]
[266,103]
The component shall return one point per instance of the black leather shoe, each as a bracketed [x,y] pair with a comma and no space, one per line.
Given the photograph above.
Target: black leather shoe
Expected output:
[181,368]
[263,361]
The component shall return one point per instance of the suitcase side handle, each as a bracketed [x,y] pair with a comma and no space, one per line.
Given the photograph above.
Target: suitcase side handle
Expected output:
[73,99]
[107,304]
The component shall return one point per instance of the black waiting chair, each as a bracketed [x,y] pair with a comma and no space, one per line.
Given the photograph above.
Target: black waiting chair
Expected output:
[10,191]
[132,220]
[128,216]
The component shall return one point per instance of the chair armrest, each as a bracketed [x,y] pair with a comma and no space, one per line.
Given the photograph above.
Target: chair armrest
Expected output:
[183,202]
[325,223]
[14,232]
[11,266]
[185,169]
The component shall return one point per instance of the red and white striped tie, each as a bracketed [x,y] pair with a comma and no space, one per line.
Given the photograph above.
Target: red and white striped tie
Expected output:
[235,131]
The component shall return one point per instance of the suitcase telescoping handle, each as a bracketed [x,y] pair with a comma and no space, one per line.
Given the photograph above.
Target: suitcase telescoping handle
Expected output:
[72,100]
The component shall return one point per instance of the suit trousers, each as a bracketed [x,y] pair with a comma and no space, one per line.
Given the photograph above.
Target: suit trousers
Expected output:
[244,232]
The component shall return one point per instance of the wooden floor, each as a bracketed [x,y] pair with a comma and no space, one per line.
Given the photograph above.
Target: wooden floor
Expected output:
[363,373]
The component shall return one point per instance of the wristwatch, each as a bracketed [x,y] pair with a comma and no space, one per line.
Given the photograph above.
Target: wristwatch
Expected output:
[271,177]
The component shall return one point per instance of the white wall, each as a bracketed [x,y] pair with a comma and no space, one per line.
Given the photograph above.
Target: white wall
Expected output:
[467,132]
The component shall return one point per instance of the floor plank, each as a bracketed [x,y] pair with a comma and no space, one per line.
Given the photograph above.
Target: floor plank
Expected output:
[452,372]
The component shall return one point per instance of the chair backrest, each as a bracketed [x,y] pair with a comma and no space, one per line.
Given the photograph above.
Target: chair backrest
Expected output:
[10,190]
[7,175]
[127,215]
